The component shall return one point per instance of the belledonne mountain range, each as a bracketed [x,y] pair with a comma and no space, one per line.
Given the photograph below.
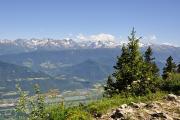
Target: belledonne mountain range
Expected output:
[64,64]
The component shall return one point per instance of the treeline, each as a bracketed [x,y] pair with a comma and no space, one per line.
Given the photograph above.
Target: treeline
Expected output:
[137,74]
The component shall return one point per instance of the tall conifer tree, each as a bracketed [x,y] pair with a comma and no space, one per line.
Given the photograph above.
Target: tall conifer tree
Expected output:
[136,60]
[128,68]
[133,73]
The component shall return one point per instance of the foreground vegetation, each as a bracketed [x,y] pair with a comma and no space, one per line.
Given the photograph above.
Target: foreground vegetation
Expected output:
[84,112]
[36,108]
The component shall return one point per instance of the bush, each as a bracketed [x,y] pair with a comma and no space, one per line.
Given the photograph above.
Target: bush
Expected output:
[57,112]
[30,107]
[78,113]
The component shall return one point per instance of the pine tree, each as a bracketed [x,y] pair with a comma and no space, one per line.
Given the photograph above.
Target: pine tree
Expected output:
[151,71]
[148,55]
[135,58]
[109,87]
[121,74]
[132,73]
[169,68]
[178,68]
[149,60]
[128,68]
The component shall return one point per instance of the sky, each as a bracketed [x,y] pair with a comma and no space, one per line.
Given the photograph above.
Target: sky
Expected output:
[155,20]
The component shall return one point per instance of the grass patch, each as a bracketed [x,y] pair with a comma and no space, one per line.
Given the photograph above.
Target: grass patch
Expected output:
[106,104]
[97,108]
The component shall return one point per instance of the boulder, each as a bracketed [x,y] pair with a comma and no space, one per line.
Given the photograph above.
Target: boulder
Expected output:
[137,105]
[161,115]
[117,114]
[134,105]
[171,97]
[123,106]
[152,105]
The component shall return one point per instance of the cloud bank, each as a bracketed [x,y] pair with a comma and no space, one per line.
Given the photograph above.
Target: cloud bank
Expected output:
[96,37]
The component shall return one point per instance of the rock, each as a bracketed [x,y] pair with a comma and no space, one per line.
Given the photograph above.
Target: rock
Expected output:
[124,106]
[176,118]
[161,115]
[156,110]
[134,105]
[171,97]
[128,110]
[97,115]
[178,101]
[140,116]
[152,105]
[142,104]
[117,114]
[137,105]
[148,111]
[158,103]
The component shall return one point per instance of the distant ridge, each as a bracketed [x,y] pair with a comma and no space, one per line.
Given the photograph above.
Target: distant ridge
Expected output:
[28,45]
[12,72]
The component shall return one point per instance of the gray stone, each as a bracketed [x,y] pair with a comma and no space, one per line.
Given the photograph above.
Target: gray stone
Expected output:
[117,114]
[159,115]
[137,105]
[123,106]
[152,105]
[134,105]
[171,97]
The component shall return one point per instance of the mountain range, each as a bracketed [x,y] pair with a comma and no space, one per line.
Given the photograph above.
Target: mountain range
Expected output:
[24,45]
[29,45]
[64,64]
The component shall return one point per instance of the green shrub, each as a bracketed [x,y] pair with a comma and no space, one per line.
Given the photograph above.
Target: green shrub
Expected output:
[31,107]
[78,113]
[57,112]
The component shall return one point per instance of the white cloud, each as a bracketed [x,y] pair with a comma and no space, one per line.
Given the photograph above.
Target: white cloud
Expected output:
[170,44]
[81,37]
[97,37]
[153,37]
[102,37]
[149,39]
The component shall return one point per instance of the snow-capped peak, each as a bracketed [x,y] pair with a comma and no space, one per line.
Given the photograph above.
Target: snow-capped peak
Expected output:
[56,44]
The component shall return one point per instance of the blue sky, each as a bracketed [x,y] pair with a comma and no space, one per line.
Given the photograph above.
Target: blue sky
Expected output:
[158,20]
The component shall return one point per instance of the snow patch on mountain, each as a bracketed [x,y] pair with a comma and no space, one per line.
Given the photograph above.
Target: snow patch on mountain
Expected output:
[88,42]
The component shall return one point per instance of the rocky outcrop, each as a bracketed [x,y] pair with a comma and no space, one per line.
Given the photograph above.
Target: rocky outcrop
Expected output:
[166,109]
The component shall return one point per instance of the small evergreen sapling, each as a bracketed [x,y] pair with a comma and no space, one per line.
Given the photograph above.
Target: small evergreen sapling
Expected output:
[169,68]
[178,68]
